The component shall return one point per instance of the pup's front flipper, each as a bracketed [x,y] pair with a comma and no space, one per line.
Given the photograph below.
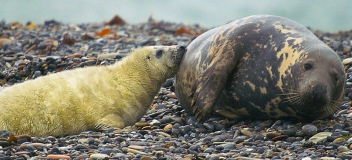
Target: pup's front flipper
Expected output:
[110,121]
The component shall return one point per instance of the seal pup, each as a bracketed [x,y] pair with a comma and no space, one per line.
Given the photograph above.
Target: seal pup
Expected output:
[73,101]
[261,67]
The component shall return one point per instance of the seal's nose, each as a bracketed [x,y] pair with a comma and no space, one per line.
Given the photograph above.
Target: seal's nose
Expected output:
[182,47]
[319,91]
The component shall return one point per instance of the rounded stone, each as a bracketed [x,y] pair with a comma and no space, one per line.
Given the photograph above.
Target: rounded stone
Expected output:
[309,130]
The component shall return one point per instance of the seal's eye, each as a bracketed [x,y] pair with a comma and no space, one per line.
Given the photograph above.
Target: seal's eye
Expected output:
[307,66]
[336,77]
[159,53]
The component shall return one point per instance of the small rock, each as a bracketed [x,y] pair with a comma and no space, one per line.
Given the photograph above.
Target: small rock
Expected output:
[319,137]
[136,147]
[309,130]
[136,151]
[4,41]
[306,158]
[168,127]
[271,135]
[246,132]
[171,95]
[98,156]
[82,156]
[209,126]
[146,158]
[81,147]
[155,122]
[166,119]
[209,150]
[58,156]
[141,124]
[343,149]
[279,138]
[289,133]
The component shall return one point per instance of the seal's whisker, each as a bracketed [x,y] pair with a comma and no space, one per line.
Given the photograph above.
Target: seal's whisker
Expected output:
[336,61]
[334,105]
[294,99]
[301,102]
[289,89]
[317,54]
[292,96]
[298,102]
[285,94]
[330,108]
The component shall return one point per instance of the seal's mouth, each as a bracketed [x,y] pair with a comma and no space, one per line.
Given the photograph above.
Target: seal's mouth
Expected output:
[313,102]
[318,107]
[177,56]
[316,95]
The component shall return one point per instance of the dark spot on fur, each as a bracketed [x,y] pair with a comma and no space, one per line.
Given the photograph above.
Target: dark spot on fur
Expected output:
[290,42]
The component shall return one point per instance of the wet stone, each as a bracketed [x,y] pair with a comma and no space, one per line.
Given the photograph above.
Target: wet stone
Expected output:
[209,126]
[81,147]
[271,135]
[209,150]
[240,139]
[309,130]
[219,147]
[289,133]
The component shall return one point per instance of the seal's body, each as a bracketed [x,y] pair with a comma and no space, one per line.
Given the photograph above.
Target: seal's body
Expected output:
[262,67]
[73,101]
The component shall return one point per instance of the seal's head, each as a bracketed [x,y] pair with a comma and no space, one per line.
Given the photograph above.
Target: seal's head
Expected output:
[170,56]
[320,83]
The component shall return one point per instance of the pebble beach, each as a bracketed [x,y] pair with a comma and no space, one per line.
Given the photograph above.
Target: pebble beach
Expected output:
[166,131]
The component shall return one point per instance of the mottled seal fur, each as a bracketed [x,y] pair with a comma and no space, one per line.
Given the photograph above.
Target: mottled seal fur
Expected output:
[73,101]
[261,67]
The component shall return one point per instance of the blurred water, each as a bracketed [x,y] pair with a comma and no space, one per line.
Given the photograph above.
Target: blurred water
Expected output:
[326,15]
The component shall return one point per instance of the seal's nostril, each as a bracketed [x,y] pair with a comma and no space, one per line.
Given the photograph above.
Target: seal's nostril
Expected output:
[319,91]
[183,47]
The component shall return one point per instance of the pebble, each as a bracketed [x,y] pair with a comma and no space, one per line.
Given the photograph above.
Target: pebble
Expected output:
[146,158]
[246,132]
[309,130]
[136,151]
[168,127]
[141,124]
[166,131]
[98,156]
[55,156]
[319,137]
[136,147]
[4,41]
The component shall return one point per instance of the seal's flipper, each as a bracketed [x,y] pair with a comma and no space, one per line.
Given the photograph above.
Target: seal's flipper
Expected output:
[110,121]
[208,86]
[102,127]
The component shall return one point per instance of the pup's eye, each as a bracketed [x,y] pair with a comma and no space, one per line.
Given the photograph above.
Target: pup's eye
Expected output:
[307,66]
[159,53]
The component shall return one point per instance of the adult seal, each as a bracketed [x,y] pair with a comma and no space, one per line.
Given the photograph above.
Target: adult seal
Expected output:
[89,98]
[261,67]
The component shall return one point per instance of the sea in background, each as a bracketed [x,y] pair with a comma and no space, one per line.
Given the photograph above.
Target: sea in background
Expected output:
[325,15]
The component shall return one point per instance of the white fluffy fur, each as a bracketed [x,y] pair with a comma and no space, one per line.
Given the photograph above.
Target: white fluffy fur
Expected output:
[73,101]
